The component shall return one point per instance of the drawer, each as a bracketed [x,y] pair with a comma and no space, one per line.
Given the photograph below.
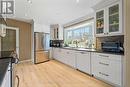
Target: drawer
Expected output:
[110,71]
[104,62]
[109,56]
[107,67]
[103,69]
[104,75]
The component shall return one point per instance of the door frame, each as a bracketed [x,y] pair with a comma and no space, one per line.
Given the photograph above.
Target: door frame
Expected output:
[17,37]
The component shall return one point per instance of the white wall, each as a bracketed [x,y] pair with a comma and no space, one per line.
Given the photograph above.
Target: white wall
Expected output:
[41,28]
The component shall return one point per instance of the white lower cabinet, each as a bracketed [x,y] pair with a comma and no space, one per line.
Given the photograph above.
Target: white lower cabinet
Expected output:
[83,61]
[71,59]
[65,56]
[108,67]
[57,54]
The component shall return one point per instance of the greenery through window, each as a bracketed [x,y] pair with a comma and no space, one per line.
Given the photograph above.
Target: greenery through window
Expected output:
[80,36]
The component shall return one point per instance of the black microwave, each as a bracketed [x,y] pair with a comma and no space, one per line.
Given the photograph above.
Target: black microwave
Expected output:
[112,47]
[56,43]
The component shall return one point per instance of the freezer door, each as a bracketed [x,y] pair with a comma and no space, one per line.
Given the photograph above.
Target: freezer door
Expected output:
[47,42]
[39,42]
[41,56]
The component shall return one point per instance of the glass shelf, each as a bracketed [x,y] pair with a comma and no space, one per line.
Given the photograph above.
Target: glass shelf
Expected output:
[117,13]
[100,18]
[113,24]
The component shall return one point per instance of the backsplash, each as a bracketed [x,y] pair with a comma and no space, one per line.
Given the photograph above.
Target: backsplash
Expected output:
[99,40]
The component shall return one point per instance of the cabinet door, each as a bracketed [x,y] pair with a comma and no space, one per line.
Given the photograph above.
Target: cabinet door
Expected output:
[100,22]
[71,58]
[63,55]
[115,19]
[83,62]
[116,72]
[55,53]
[94,64]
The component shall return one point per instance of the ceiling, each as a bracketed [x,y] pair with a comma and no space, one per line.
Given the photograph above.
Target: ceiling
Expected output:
[53,11]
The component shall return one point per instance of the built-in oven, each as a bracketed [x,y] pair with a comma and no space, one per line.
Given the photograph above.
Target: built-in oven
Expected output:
[112,47]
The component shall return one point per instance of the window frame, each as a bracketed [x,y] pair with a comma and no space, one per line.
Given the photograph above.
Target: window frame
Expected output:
[81,25]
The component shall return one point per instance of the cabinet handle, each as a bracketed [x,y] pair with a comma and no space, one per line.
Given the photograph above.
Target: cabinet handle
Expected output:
[103,56]
[103,64]
[103,74]
[83,52]
[68,53]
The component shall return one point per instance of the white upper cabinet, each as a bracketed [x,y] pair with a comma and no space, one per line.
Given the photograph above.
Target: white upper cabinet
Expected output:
[108,18]
[54,32]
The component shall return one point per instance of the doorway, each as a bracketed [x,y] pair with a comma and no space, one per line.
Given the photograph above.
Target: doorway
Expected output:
[11,41]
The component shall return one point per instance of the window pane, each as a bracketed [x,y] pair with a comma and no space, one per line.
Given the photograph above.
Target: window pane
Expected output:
[80,37]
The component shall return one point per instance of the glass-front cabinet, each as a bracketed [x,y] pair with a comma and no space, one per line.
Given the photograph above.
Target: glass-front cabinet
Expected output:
[109,20]
[100,22]
[114,18]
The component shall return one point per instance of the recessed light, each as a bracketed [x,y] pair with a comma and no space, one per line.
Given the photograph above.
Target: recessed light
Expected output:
[77,1]
[29,1]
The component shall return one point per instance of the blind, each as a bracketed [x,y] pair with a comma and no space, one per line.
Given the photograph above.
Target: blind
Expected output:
[77,23]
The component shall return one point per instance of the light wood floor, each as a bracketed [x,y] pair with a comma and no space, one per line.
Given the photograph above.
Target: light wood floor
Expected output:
[54,74]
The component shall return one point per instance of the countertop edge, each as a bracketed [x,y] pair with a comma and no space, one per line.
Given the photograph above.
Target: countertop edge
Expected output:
[96,51]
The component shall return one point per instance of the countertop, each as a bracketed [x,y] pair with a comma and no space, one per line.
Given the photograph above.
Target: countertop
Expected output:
[90,50]
[5,61]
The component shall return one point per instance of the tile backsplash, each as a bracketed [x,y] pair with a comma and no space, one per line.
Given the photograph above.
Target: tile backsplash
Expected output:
[99,40]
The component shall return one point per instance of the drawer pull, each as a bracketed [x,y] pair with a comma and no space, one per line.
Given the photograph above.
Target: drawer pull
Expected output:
[68,52]
[103,56]
[103,74]
[83,52]
[103,64]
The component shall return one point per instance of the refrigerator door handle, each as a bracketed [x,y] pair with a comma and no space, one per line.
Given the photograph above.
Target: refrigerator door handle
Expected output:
[42,42]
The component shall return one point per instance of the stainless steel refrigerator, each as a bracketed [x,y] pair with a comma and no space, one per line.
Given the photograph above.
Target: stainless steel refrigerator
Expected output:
[41,43]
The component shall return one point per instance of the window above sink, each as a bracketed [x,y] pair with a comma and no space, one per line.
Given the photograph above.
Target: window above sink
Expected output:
[80,35]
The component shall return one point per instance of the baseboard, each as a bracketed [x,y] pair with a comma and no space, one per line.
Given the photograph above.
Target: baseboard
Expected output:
[23,61]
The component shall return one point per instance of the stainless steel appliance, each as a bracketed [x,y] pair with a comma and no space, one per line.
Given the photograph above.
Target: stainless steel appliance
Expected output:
[14,76]
[56,43]
[41,42]
[112,47]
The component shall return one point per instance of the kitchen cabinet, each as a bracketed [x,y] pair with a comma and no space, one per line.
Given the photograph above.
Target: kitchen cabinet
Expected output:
[70,58]
[83,61]
[7,78]
[108,67]
[56,54]
[65,56]
[54,32]
[108,18]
